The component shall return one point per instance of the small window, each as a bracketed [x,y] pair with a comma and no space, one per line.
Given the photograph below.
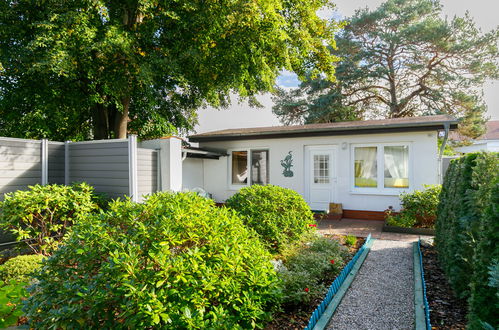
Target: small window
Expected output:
[366,167]
[396,166]
[240,168]
[259,166]
[321,169]
[257,161]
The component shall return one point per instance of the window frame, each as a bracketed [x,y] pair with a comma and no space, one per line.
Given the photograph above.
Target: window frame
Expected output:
[380,161]
[248,166]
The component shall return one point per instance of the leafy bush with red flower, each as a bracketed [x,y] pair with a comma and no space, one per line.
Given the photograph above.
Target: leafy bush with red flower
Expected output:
[309,267]
[280,216]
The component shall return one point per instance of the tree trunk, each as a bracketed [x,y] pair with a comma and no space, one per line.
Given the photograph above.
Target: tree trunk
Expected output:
[100,122]
[121,119]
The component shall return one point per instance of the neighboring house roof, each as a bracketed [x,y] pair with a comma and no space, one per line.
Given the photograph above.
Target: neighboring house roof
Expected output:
[492,132]
[408,124]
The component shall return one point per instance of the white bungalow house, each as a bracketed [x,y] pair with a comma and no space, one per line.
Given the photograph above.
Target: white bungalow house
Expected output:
[487,142]
[364,165]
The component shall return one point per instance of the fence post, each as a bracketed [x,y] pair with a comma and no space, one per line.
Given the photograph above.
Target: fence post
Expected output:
[132,168]
[45,161]
[66,162]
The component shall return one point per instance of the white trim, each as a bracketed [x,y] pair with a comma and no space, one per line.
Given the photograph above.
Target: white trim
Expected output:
[132,168]
[380,159]
[104,141]
[19,140]
[248,151]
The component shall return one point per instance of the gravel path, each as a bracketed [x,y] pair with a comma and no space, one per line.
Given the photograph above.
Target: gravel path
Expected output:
[382,294]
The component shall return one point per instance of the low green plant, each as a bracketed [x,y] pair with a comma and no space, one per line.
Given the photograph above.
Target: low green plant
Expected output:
[174,261]
[279,215]
[308,268]
[41,215]
[350,240]
[419,208]
[12,295]
[20,268]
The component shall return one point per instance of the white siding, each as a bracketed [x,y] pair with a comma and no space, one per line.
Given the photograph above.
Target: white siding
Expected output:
[424,166]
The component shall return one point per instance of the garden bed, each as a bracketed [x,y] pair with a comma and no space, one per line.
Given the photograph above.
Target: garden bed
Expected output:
[299,318]
[446,310]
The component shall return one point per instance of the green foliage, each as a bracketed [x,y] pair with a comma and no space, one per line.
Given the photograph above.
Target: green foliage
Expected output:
[280,216]
[350,240]
[174,261]
[42,215]
[308,268]
[20,268]
[467,232]
[402,59]
[73,69]
[419,208]
[12,295]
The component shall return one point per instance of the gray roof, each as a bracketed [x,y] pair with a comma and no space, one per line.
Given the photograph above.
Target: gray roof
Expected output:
[408,124]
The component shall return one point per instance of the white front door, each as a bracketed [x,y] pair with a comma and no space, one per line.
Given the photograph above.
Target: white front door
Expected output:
[320,166]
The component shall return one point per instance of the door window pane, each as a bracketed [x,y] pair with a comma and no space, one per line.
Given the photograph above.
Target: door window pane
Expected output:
[239,167]
[259,166]
[396,170]
[366,167]
[321,169]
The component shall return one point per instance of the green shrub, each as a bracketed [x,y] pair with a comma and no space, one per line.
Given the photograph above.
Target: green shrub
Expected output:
[175,261]
[41,215]
[12,295]
[419,208]
[467,232]
[20,268]
[308,268]
[350,240]
[279,215]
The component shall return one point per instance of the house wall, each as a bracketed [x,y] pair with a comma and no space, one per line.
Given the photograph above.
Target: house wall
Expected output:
[20,164]
[480,145]
[193,173]
[101,164]
[423,166]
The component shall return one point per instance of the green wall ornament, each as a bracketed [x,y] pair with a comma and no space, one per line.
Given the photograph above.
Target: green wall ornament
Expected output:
[287,163]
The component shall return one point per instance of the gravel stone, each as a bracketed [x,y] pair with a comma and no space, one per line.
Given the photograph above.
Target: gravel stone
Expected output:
[382,294]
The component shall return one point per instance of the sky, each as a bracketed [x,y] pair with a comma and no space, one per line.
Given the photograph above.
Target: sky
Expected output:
[484,13]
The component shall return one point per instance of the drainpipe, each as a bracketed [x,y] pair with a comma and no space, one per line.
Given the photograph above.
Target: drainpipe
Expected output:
[441,153]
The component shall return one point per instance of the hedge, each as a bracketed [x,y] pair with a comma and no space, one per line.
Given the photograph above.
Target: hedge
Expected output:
[467,231]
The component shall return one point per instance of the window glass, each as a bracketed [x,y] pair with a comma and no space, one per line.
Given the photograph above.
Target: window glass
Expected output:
[239,167]
[259,166]
[366,167]
[321,169]
[396,166]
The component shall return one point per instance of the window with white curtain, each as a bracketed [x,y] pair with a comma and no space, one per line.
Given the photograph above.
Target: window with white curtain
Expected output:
[396,166]
[380,167]
[249,166]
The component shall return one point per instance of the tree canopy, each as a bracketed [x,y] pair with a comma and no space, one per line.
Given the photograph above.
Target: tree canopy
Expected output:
[402,59]
[102,68]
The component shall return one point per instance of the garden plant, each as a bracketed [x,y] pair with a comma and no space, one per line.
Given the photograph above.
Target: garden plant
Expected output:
[173,261]
[280,216]
[42,215]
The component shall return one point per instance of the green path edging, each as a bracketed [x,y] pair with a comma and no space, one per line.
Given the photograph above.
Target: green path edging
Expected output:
[419,313]
[331,308]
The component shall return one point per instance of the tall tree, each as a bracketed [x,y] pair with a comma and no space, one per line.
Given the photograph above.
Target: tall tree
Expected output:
[101,68]
[402,59]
